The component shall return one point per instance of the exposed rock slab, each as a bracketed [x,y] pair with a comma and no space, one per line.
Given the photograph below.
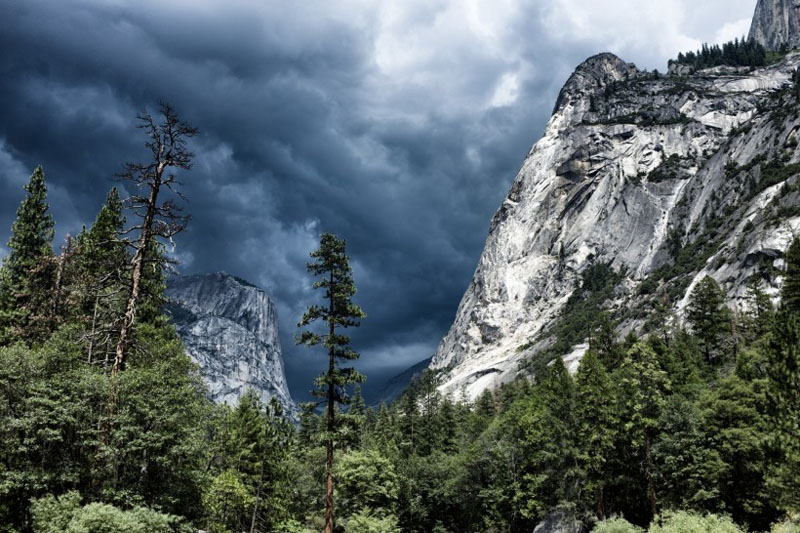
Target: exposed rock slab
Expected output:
[626,159]
[776,24]
[230,328]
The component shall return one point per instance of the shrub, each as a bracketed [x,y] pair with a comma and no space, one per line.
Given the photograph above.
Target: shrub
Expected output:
[65,515]
[365,522]
[616,525]
[683,522]
[790,525]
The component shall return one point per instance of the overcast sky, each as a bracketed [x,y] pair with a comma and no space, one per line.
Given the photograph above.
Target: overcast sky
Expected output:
[398,125]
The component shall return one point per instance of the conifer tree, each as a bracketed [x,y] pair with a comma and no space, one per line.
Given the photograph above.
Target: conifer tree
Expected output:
[708,315]
[27,279]
[790,294]
[761,310]
[596,417]
[332,266]
[102,265]
[783,373]
[644,390]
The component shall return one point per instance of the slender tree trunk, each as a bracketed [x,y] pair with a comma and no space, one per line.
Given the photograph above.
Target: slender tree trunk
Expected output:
[331,414]
[94,327]
[136,277]
[651,486]
[62,259]
[601,512]
[258,497]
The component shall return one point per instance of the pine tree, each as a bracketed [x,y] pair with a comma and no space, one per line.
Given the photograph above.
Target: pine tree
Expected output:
[549,443]
[101,268]
[790,294]
[708,315]
[761,310]
[783,373]
[644,389]
[332,266]
[596,422]
[28,271]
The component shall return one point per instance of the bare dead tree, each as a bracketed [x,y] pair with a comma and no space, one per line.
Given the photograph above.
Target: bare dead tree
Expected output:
[167,144]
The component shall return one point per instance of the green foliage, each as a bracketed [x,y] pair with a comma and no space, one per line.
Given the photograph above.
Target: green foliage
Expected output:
[736,53]
[783,394]
[669,169]
[28,270]
[227,502]
[708,316]
[790,294]
[616,525]
[790,525]
[366,479]
[366,522]
[65,515]
[332,266]
[683,522]
[582,313]
[773,173]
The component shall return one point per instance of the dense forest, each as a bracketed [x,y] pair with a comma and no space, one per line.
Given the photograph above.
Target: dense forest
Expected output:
[736,53]
[105,425]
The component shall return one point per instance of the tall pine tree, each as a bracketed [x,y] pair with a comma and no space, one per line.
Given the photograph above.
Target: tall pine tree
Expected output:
[708,316]
[27,277]
[332,266]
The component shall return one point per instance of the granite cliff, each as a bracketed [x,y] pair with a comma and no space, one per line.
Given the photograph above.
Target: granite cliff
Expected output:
[230,328]
[664,179]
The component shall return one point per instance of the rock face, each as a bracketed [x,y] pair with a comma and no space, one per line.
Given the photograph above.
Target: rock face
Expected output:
[230,328]
[776,23]
[632,168]
[560,522]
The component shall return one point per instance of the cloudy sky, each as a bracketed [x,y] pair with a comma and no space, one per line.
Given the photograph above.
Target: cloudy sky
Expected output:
[398,125]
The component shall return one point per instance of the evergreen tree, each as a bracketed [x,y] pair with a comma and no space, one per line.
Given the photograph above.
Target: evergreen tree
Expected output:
[596,418]
[550,443]
[761,310]
[644,389]
[708,316]
[332,266]
[100,279]
[790,294]
[783,394]
[29,267]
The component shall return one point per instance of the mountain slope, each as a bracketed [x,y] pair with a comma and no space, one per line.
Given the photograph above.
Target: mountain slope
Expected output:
[230,328]
[776,23]
[664,179]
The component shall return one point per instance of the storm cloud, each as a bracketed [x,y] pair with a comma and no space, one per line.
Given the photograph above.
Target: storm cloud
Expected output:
[396,125]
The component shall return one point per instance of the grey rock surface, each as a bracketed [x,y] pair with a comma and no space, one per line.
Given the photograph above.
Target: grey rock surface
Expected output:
[628,159]
[560,522]
[776,23]
[230,328]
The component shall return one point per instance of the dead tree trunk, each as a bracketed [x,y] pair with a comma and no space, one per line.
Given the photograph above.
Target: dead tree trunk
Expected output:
[167,144]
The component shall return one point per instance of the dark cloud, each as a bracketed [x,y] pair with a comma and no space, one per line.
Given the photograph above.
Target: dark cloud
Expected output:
[398,127]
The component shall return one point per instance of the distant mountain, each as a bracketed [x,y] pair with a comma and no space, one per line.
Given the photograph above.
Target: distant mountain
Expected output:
[230,328]
[395,387]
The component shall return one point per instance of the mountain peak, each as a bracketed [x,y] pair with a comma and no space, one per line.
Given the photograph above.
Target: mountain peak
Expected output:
[595,73]
[776,23]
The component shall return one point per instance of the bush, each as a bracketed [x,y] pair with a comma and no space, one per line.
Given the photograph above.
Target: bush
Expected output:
[365,522]
[65,515]
[616,525]
[790,525]
[683,522]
